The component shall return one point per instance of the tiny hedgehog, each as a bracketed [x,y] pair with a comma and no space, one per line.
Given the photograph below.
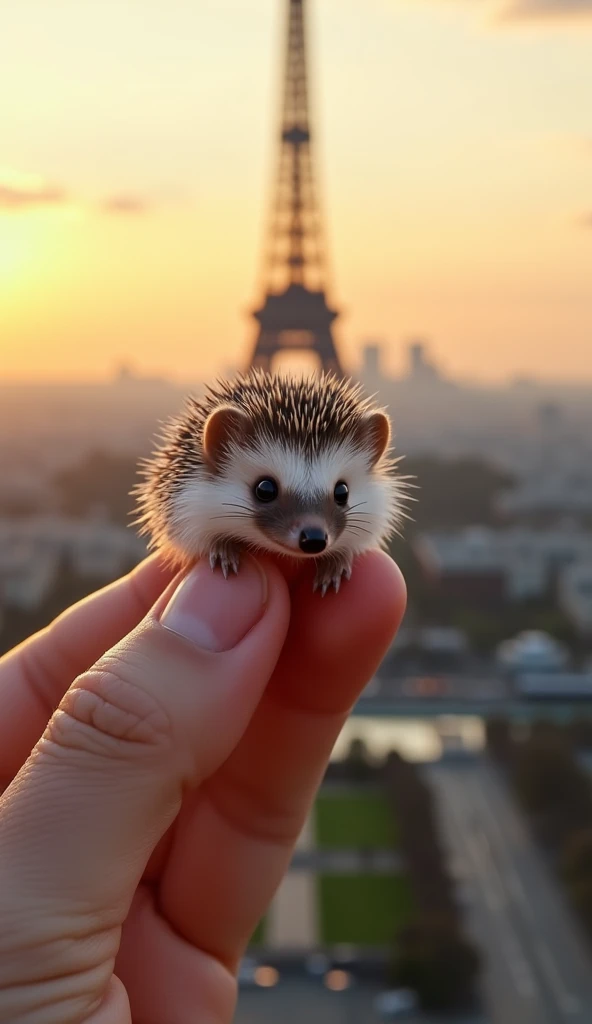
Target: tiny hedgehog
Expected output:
[300,468]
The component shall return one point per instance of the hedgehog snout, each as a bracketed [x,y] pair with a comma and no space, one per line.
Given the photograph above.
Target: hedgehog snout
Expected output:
[309,535]
[313,540]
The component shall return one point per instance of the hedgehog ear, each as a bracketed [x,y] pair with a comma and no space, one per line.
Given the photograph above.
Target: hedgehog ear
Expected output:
[223,425]
[376,432]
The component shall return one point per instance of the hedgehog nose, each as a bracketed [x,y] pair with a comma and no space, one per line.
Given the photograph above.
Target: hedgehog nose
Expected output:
[313,540]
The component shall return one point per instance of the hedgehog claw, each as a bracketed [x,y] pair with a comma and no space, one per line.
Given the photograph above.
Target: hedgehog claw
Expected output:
[331,573]
[228,556]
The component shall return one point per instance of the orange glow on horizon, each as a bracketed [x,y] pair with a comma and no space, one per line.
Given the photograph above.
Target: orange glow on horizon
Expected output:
[456,201]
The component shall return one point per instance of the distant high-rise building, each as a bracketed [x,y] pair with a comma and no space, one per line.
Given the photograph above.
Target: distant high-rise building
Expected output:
[295,314]
[420,369]
[124,372]
[371,360]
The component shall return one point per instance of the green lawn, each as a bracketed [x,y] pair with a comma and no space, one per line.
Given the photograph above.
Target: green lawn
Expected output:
[258,936]
[354,819]
[363,909]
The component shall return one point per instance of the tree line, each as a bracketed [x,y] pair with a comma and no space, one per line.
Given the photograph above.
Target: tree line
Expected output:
[547,772]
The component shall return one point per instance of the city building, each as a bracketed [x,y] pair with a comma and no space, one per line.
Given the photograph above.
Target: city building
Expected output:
[532,652]
[370,372]
[562,489]
[420,369]
[27,576]
[34,550]
[517,563]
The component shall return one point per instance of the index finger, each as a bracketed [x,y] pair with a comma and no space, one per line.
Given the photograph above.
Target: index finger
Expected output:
[37,673]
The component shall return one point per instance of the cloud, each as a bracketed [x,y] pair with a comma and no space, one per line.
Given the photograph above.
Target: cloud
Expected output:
[18,192]
[505,13]
[125,205]
[538,10]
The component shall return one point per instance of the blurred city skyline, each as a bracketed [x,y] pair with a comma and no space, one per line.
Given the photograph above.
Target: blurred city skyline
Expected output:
[455,150]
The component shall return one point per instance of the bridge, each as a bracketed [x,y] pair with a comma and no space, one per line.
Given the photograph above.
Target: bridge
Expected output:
[516,710]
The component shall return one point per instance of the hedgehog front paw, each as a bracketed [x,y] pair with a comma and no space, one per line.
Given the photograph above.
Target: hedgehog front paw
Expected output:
[227,554]
[331,571]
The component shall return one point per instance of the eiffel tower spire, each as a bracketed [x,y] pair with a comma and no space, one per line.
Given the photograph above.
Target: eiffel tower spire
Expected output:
[295,313]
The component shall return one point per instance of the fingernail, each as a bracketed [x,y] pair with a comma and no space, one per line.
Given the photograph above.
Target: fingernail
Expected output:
[213,613]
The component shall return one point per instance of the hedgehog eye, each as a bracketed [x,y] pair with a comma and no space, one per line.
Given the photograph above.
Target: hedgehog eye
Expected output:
[341,493]
[266,489]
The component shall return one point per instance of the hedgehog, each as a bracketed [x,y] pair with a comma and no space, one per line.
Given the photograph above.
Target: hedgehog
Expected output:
[300,468]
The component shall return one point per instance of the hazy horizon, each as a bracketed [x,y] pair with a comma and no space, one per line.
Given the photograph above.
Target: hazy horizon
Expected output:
[455,158]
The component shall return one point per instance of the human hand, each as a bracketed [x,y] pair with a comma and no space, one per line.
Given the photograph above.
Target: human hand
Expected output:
[158,789]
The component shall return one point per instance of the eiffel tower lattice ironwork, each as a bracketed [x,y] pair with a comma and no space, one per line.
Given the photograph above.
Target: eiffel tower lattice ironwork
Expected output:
[295,313]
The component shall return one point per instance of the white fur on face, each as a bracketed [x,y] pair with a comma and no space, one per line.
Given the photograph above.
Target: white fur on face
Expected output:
[205,509]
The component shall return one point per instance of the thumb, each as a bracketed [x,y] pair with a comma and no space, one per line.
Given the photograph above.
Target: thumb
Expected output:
[157,714]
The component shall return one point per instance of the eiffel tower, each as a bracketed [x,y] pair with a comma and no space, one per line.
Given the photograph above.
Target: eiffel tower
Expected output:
[295,313]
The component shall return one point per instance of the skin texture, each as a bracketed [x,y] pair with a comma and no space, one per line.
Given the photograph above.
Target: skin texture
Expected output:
[139,845]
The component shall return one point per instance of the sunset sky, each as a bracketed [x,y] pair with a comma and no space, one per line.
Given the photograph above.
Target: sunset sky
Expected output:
[455,154]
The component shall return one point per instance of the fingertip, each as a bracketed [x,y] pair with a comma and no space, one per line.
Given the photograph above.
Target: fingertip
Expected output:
[202,590]
[378,580]
[370,606]
[343,636]
[376,587]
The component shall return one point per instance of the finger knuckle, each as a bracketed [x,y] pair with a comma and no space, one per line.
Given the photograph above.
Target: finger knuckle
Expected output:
[106,712]
[50,976]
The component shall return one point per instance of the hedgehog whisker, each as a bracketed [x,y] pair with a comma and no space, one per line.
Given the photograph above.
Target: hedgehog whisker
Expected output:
[233,515]
[359,503]
[230,504]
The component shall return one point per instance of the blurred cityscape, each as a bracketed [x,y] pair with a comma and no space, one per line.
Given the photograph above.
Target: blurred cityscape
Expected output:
[445,871]
[454,827]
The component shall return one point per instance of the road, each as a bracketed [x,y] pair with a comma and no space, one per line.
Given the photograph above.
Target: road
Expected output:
[538,969]
[298,1000]
[293,1002]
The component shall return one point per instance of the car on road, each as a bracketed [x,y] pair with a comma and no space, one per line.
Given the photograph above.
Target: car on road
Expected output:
[396,1004]
[317,964]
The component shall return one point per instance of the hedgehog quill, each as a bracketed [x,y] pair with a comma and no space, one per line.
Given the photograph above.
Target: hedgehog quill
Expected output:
[301,468]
